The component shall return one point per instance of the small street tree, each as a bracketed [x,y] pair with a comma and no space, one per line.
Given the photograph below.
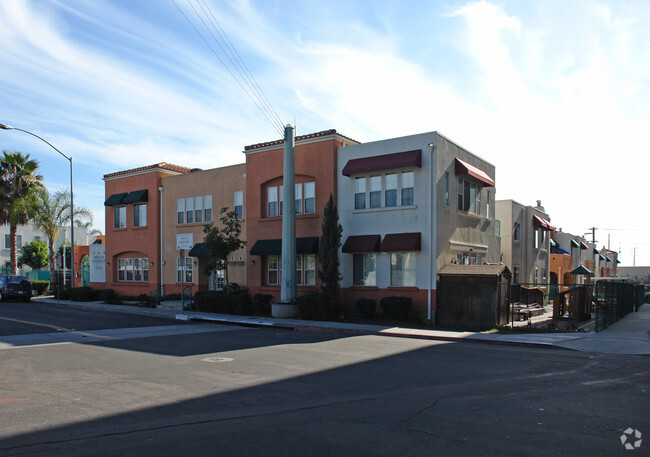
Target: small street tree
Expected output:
[328,255]
[34,255]
[222,241]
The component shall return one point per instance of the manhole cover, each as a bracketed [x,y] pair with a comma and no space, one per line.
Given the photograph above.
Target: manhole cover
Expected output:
[217,359]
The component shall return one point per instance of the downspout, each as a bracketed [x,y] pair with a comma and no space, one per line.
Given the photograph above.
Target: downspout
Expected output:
[162,261]
[433,201]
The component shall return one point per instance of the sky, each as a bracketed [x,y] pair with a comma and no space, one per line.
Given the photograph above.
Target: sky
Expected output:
[554,94]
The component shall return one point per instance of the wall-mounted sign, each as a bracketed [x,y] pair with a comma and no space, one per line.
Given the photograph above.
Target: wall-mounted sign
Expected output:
[184,241]
[97,263]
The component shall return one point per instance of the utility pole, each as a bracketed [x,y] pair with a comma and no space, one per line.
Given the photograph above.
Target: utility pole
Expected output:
[593,234]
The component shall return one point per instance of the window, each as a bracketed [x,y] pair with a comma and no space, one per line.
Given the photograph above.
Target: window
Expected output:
[390,194]
[273,267]
[239,204]
[468,258]
[310,197]
[517,232]
[140,215]
[137,269]
[402,269]
[364,270]
[298,196]
[207,208]
[37,238]
[145,270]
[408,184]
[536,238]
[129,269]
[469,196]
[121,269]
[535,272]
[305,269]
[189,210]
[446,188]
[272,202]
[19,241]
[515,274]
[281,198]
[375,191]
[360,193]
[217,279]
[180,209]
[198,209]
[184,266]
[119,217]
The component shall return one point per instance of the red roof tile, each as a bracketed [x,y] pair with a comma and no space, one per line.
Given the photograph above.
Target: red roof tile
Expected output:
[161,165]
[298,138]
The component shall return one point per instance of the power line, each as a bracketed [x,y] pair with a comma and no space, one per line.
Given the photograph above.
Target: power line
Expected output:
[274,121]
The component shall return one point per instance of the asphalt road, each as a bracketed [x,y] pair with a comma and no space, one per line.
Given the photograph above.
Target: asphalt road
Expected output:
[85,383]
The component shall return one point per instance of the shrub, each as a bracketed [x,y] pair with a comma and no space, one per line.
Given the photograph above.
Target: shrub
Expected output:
[40,287]
[82,294]
[262,304]
[110,296]
[214,301]
[366,307]
[313,306]
[396,307]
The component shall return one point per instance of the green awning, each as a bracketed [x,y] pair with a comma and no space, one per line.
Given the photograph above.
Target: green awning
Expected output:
[602,257]
[199,250]
[305,245]
[115,199]
[574,244]
[136,196]
[582,270]
[553,243]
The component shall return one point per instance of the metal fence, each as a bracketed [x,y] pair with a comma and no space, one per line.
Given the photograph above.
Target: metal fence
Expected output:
[614,300]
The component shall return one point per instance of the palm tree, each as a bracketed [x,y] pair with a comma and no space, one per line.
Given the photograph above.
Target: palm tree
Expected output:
[52,213]
[18,180]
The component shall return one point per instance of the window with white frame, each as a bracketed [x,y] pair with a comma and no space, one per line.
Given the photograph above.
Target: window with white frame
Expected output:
[184,269]
[189,210]
[360,193]
[310,197]
[364,269]
[133,269]
[198,209]
[217,280]
[402,269]
[469,196]
[298,197]
[207,208]
[469,258]
[305,269]
[19,241]
[119,217]
[140,215]
[239,204]
[537,238]
[180,210]
[387,190]
[272,201]
[305,203]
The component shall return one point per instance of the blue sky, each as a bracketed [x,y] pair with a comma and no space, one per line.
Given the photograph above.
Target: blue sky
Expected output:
[555,94]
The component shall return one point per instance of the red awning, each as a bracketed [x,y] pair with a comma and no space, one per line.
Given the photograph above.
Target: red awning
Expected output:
[401,242]
[361,243]
[383,162]
[583,245]
[542,223]
[463,168]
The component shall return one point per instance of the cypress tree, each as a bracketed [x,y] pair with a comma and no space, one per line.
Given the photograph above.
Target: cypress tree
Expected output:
[328,256]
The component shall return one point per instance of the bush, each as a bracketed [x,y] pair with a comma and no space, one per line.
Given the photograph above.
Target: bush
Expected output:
[366,307]
[313,306]
[262,304]
[110,296]
[215,301]
[82,294]
[40,287]
[396,307]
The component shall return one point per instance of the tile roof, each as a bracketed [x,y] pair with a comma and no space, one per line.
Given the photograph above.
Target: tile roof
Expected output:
[298,138]
[161,165]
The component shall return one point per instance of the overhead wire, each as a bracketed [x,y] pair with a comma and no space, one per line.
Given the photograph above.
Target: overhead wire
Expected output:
[254,96]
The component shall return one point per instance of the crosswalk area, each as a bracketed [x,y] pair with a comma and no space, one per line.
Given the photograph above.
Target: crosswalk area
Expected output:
[66,336]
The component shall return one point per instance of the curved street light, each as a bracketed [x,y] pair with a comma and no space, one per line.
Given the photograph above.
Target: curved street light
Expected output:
[9,127]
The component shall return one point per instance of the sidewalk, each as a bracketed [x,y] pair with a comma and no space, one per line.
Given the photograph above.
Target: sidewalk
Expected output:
[630,335]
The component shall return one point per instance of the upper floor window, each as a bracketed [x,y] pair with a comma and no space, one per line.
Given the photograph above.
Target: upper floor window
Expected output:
[140,215]
[194,209]
[469,196]
[388,190]
[272,201]
[119,217]
[239,204]
[446,188]
[517,232]
[305,203]
[19,241]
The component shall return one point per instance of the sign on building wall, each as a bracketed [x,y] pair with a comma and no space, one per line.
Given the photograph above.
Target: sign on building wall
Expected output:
[97,263]
[184,241]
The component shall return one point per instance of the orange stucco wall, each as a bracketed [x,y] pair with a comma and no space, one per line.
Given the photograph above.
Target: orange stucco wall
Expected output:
[314,161]
[560,265]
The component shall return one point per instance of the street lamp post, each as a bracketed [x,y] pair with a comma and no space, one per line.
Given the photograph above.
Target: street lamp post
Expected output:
[9,127]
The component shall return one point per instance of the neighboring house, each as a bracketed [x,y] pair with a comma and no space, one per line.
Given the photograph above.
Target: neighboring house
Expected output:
[635,274]
[28,233]
[609,263]
[569,252]
[132,252]
[190,201]
[409,206]
[315,180]
[525,241]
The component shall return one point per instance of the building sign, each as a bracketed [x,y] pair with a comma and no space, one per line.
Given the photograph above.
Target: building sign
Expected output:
[184,241]
[97,263]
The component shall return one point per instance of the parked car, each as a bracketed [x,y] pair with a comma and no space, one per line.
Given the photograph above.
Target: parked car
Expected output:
[15,287]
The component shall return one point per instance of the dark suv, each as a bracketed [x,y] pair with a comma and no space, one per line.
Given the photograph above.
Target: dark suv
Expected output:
[15,287]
